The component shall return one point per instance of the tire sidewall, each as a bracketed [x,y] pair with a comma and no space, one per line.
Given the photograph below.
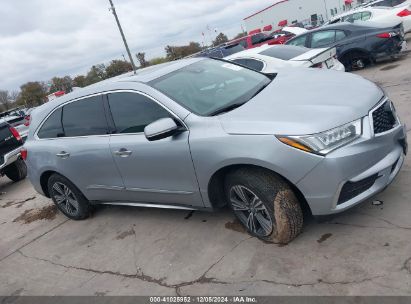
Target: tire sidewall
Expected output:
[83,204]
[265,195]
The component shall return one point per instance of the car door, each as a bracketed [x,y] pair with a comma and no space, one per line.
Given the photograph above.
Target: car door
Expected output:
[74,142]
[158,171]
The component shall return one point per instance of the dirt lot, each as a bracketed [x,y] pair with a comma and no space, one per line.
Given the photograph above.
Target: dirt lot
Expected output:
[135,251]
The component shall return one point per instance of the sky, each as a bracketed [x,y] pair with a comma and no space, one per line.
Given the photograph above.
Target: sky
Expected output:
[40,39]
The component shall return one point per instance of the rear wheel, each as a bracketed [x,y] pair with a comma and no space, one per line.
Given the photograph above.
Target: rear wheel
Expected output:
[355,61]
[16,171]
[68,198]
[265,204]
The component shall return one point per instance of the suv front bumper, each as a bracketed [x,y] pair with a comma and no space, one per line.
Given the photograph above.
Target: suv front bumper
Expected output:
[366,166]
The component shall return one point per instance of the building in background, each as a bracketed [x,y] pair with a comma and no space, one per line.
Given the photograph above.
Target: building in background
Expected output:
[303,12]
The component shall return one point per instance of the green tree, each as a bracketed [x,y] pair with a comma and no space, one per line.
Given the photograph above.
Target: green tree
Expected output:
[141,57]
[80,81]
[32,94]
[240,35]
[61,84]
[117,67]
[158,60]
[178,52]
[97,73]
[220,39]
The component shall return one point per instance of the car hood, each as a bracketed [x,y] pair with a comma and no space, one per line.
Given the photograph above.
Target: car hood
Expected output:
[304,101]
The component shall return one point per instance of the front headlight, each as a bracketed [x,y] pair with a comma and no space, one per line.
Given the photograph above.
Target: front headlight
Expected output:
[324,142]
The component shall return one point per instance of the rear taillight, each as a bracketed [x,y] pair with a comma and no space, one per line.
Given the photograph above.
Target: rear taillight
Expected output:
[404,13]
[27,122]
[23,153]
[318,65]
[15,133]
[387,35]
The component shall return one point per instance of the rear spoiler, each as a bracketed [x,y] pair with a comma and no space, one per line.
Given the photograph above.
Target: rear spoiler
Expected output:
[317,55]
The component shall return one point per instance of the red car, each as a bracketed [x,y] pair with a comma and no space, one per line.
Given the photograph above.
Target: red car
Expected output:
[252,41]
[285,34]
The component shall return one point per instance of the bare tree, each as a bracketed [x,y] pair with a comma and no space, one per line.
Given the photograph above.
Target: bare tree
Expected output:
[4,100]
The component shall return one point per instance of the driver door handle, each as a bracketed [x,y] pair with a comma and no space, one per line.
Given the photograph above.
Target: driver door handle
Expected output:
[123,152]
[63,154]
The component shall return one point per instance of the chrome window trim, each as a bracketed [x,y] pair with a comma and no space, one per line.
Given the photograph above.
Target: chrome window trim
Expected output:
[371,119]
[100,94]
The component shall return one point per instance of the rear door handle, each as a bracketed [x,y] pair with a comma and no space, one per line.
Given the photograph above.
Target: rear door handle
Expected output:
[123,152]
[63,154]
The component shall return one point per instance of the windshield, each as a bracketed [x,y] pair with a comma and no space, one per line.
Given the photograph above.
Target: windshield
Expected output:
[210,85]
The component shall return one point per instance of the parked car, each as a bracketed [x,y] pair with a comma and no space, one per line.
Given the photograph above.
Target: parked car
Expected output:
[202,133]
[386,3]
[268,59]
[252,41]
[285,34]
[382,15]
[358,45]
[220,51]
[11,163]
[20,123]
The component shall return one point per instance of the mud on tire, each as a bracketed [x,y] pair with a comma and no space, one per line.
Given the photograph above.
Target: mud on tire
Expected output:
[278,199]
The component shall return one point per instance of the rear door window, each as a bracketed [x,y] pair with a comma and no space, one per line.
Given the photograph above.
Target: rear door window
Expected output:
[365,16]
[84,117]
[258,38]
[52,127]
[299,41]
[132,112]
[322,38]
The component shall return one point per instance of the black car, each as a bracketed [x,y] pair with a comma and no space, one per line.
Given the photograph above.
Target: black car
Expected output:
[221,51]
[357,45]
[11,163]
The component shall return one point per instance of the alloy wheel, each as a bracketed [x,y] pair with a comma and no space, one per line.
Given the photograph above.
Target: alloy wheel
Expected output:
[251,211]
[65,198]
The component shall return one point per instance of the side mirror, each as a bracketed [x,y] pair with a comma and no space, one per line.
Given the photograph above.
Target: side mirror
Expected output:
[161,128]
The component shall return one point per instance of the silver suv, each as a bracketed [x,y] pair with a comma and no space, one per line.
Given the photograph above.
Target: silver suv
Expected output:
[203,133]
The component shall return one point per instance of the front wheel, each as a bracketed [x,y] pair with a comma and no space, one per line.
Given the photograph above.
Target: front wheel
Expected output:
[265,204]
[68,198]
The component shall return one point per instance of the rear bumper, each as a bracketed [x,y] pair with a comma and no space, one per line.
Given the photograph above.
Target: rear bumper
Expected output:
[366,166]
[10,158]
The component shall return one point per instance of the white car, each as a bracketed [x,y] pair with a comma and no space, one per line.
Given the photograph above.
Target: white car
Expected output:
[386,3]
[269,59]
[380,15]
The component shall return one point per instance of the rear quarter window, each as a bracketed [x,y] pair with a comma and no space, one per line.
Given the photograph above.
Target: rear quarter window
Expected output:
[52,127]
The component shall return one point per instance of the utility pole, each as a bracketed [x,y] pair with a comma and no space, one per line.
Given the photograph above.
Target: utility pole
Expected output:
[113,10]
[326,9]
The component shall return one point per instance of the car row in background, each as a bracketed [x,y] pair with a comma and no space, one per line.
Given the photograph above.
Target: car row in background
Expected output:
[19,119]
[380,14]
[357,44]
[268,59]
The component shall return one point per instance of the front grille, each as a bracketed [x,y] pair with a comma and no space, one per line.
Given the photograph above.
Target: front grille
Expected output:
[352,189]
[383,118]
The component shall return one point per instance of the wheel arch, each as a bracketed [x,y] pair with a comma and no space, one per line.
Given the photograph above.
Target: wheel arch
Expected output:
[216,193]
[44,177]
[356,50]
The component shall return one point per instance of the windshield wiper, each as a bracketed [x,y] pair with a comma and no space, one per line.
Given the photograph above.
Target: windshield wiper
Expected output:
[227,108]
